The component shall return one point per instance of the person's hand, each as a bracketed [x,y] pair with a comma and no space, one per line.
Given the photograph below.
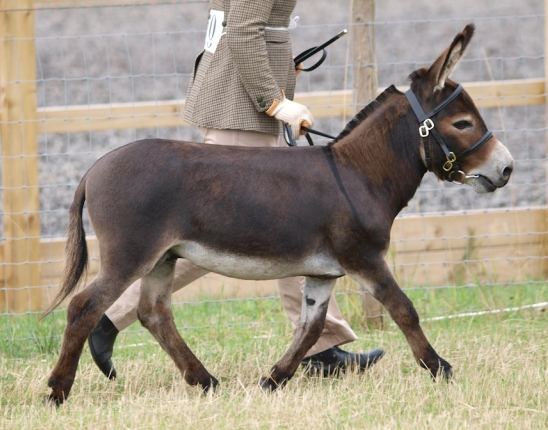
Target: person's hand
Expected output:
[294,114]
[298,69]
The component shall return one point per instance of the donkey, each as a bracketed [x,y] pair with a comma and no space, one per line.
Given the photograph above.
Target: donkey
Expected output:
[269,213]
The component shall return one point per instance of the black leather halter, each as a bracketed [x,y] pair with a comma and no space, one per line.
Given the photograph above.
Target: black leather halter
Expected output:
[451,165]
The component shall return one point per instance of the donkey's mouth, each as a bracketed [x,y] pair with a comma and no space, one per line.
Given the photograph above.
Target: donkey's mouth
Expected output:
[485,185]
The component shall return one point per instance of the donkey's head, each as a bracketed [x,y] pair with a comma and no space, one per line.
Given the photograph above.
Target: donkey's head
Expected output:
[456,144]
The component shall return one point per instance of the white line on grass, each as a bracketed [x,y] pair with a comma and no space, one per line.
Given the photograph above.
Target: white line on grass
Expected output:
[495,311]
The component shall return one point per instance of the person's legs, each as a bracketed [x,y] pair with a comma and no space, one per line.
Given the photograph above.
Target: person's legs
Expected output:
[325,357]
[324,353]
[336,330]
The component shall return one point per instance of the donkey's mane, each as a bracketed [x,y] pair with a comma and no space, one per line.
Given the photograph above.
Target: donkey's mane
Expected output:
[362,115]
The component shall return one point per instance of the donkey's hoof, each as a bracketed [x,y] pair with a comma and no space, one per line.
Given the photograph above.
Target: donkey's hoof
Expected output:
[51,401]
[446,373]
[268,384]
[444,370]
[211,386]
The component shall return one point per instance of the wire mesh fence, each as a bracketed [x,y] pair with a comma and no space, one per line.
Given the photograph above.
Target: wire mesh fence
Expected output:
[106,76]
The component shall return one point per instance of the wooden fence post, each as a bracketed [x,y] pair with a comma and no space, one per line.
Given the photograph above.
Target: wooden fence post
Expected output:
[544,255]
[364,52]
[19,134]
[365,90]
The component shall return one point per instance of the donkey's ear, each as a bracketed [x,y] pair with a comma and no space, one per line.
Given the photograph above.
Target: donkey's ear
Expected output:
[448,60]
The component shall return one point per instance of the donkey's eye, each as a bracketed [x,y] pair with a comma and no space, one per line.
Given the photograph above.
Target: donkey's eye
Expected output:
[461,125]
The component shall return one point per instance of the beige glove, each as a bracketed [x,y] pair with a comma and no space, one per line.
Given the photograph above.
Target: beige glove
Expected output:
[298,69]
[294,114]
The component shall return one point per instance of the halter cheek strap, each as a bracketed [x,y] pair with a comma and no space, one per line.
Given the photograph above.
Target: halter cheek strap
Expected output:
[451,165]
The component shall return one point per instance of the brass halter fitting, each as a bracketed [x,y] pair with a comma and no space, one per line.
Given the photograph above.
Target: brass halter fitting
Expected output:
[448,165]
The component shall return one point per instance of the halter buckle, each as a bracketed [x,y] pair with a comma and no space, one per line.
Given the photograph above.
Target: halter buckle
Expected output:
[427,125]
[448,165]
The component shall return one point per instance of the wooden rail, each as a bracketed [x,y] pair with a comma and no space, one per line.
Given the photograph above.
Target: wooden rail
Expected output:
[332,104]
[493,246]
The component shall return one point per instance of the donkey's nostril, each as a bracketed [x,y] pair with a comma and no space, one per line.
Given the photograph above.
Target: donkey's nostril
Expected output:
[507,172]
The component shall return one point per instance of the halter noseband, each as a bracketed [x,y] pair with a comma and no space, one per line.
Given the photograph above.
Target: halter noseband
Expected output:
[451,165]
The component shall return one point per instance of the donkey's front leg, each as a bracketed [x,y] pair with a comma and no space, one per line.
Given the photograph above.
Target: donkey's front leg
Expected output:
[376,277]
[314,308]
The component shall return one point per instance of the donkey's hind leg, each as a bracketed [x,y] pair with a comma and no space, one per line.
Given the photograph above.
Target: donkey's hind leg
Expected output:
[155,314]
[83,314]
[314,309]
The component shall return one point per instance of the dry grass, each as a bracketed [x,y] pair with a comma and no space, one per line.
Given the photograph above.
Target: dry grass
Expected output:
[501,367]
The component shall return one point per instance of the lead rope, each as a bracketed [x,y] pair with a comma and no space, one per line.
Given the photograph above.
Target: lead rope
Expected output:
[291,142]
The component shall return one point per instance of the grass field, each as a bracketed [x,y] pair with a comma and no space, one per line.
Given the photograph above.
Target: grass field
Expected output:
[500,362]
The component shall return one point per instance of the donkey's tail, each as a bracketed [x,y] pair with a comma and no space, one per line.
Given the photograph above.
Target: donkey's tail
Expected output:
[76,250]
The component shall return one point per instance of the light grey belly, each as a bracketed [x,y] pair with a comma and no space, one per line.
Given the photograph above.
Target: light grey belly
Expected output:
[246,267]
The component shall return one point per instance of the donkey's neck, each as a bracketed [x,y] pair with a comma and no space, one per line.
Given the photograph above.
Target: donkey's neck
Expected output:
[384,149]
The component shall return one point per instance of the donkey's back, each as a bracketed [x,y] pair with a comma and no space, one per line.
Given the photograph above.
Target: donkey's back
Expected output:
[252,213]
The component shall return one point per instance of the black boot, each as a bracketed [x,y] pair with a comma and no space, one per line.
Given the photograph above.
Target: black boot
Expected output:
[335,360]
[100,341]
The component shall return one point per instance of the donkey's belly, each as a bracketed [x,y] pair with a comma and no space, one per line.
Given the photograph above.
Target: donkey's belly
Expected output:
[250,267]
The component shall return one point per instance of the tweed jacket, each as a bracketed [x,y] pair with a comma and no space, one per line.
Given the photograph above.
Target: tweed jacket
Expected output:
[234,86]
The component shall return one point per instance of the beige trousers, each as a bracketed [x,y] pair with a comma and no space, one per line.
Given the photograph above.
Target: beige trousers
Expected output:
[336,330]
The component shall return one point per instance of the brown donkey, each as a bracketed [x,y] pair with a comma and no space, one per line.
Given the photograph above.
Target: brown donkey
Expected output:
[269,213]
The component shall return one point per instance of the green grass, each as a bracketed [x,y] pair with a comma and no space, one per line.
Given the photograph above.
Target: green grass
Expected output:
[500,363]
[21,336]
